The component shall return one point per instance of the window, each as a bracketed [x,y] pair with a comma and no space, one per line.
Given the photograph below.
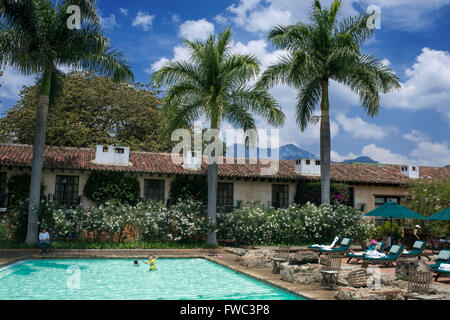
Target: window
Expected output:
[105,149]
[317,162]
[379,201]
[154,190]
[66,190]
[2,189]
[224,196]
[280,195]
[308,162]
[120,150]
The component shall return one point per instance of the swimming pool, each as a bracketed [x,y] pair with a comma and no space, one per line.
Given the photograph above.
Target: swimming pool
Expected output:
[119,279]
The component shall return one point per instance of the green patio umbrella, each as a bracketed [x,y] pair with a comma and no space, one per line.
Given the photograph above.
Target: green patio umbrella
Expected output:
[391,210]
[441,215]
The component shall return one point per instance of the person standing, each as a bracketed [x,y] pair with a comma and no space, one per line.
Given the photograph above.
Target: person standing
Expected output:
[416,231]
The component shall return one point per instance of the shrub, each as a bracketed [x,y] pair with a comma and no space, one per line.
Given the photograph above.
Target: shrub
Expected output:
[308,191]
[102,187]
[4,228]
[185,221]
[294,225]
[185,188]
[385,230]
[19,189]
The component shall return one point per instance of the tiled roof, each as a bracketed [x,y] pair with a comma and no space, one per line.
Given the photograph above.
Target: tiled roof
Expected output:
[14,155]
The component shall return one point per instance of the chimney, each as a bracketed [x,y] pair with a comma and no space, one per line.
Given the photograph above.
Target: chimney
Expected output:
[112,155]
[192,160]
[308,167]
[411,171]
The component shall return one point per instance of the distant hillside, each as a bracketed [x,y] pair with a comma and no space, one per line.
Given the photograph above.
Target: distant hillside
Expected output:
[286,152]
[360,160]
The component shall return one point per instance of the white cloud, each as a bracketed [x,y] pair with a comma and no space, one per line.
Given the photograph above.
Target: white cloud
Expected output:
[260,15]
[261,19]
[336,157]
[196,30]
[12,82]
[109,22]
[176,18]
[124,11]
[361,129]
[406,14]
[386,62]
[259,49]
[384,155]
[426,154]
[221,19]
[427,83]
[143,20]
[180,53]
[416,136]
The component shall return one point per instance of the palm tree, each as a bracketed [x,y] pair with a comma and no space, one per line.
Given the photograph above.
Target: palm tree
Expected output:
[326,50]
[36,40]
[215,83]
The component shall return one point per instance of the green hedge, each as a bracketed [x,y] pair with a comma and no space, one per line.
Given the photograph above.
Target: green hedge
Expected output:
[309,191]
[19,189]
[185,188]
[102,187]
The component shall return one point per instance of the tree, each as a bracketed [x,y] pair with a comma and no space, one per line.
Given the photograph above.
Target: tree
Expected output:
[322,51]
[214,83]
[91,110]
[36,38]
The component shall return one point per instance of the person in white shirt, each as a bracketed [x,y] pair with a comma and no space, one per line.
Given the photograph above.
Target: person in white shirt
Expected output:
[44,238]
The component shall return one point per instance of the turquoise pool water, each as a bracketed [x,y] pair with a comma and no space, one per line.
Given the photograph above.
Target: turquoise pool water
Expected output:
[119,279]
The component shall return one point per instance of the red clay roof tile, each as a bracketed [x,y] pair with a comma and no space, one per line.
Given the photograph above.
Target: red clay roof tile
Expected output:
[15,155]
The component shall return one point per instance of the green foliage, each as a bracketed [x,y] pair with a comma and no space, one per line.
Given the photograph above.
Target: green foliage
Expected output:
[185,188]
[19,189]
[309,191]
[57,244]
[123,114]
[4,228]
[20,218]
[102,187]
[427,196]
[385,230]
[294,225]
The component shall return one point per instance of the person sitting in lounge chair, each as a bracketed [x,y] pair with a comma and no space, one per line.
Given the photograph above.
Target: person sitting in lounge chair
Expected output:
[321,246]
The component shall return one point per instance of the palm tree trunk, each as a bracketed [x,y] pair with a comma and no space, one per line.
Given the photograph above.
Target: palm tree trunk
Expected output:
[325,146]
[212,193]
[212,201]
[37,162]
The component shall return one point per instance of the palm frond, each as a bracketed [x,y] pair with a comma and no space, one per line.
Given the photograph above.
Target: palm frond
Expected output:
[307,99]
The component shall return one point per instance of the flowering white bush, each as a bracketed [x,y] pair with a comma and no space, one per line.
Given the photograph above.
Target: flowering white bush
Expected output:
[184,221]
[294,225]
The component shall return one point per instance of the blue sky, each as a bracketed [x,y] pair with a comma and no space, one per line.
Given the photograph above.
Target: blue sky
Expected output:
[413,123]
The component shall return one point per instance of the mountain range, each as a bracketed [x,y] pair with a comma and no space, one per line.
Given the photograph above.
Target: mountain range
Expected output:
[286,152]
